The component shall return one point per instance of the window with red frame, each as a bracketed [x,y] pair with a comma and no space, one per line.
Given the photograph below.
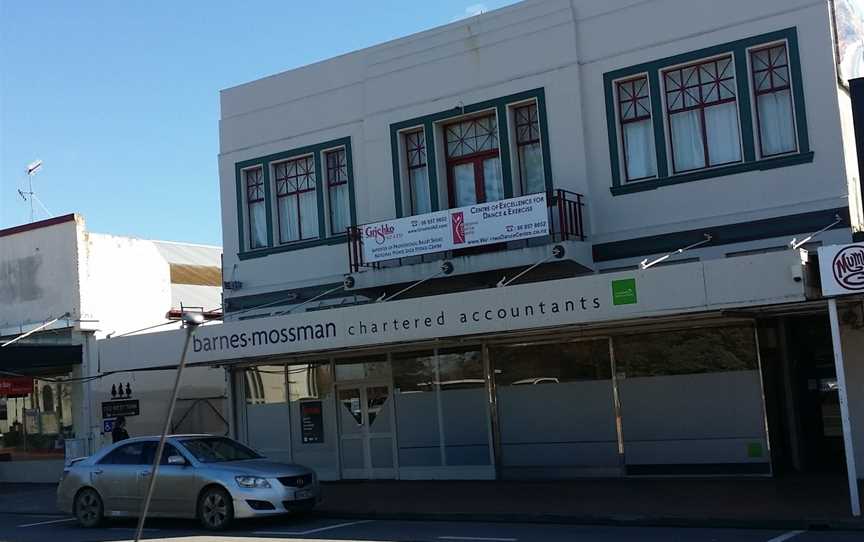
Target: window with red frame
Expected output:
[337,191]
[296,199]
[775,113]
[256,210]
[636,129]
[473,165]
[702,114]
[418,172]
[532,178]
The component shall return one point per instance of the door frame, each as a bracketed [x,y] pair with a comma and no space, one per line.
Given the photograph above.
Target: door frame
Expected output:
[367,472]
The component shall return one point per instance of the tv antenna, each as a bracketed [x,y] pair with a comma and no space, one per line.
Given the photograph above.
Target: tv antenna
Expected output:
[32,169]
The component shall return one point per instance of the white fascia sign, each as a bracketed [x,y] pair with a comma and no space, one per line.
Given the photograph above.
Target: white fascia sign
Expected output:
[842,269]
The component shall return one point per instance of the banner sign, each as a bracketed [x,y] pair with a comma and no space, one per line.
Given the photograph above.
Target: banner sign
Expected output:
[15,386]
[842,269]
[312,422]
[126,407]
[474,225]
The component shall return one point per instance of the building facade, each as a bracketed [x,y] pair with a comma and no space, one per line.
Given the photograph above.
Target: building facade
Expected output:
[62,288]
[390,312]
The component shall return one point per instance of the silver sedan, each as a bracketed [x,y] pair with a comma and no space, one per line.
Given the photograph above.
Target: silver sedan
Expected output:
[213,478]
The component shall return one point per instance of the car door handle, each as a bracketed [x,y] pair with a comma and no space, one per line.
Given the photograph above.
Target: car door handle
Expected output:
[97,472]
[144,473]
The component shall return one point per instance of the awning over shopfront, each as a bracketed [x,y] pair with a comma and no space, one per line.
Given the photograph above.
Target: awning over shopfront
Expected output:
[38,359]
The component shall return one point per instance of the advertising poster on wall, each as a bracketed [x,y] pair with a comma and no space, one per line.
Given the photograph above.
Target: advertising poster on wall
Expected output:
[311,422]
[475,225]
[849,35]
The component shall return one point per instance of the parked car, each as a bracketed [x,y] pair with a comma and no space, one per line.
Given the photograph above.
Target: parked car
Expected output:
[212,478]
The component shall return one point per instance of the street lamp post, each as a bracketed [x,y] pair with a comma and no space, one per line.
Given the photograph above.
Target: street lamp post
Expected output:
[191,321]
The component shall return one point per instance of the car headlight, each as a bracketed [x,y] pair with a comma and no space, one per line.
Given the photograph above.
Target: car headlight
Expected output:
[251,481]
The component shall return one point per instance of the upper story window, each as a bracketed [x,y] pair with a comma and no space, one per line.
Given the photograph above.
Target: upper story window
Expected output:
[473,164]
[702,114]
[296,199]
[418,171]
[337,191]
[532,178]
[637,130]
[256,211]
[775,112]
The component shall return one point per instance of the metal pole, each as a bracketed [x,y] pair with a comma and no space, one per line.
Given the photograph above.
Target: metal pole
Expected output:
[30,182]
[844,408]
[192,321]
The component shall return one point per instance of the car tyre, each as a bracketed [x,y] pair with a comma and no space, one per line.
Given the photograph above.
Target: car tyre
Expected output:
[88,508]
[215,509]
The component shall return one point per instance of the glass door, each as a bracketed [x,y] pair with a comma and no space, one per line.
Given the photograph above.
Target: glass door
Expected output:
[366,431]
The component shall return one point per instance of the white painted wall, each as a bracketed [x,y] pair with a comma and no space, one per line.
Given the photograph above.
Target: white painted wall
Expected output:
[852,339]
[565,47]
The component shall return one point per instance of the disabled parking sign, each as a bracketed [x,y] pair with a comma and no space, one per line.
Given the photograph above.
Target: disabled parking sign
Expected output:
[107,426]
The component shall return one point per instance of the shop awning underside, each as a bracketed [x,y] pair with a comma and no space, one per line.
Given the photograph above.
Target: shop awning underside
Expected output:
[38,358]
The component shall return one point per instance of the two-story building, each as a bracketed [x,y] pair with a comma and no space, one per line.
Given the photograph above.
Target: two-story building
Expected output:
[552,240]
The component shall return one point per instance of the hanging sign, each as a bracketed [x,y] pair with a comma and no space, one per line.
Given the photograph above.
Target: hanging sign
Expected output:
[311,422]
[15,386]
[126,407]
[475,225]
[842,269]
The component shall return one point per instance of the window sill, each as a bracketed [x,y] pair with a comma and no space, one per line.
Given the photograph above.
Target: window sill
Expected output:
[759,165]
[291,247]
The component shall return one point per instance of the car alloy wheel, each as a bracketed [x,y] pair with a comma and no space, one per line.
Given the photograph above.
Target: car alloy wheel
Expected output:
[88,508]
[216,509]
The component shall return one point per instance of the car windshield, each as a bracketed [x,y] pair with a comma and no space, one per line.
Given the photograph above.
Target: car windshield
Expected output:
[218,449]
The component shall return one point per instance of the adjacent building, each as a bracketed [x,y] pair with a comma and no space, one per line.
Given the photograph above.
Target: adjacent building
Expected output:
[559,239]
[62,288]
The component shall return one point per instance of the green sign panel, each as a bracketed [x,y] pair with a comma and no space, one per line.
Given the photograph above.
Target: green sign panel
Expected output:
[624,292]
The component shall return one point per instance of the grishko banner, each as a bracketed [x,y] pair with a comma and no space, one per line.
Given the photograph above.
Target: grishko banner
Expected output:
[474,225]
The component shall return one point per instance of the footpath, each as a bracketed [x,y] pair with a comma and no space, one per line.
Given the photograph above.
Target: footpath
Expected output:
[786,503]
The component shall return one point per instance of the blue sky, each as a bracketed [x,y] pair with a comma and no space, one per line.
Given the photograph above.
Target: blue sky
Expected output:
[120,99]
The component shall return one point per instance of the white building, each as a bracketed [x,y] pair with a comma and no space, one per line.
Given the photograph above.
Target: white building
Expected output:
[86,286]
[364,341]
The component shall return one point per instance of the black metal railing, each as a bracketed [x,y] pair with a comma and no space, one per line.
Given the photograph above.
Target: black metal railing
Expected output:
[566,210]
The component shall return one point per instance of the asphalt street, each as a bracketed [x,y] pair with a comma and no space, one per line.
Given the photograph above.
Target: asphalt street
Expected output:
[32,528]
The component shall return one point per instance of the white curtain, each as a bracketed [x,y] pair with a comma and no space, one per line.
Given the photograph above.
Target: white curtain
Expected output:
[420,201]
[288,221]
[687,140]
[309,215]
[639,148]
[257,225]
[339,209]
[493,181]
[531,168]
[724,143]
[776,123]
[463,181]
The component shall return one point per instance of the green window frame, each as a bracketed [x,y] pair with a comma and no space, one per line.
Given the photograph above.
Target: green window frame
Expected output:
[265,162]
[751,161]
[429,124]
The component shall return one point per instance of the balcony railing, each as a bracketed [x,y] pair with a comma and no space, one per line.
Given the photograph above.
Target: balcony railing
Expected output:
[565,224]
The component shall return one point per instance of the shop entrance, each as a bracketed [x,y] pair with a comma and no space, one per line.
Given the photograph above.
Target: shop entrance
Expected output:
[366,430]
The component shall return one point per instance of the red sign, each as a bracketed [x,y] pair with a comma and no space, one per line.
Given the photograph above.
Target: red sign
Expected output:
[15,386]
[458,224]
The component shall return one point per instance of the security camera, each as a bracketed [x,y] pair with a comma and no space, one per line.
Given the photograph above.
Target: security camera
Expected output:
[797,272]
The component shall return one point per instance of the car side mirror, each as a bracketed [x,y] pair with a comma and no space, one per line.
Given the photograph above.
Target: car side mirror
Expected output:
[176,460]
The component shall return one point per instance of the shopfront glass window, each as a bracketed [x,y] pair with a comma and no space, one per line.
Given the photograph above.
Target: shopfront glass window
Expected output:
[691,397]
[363,368]
[464,406]
[313,416]
[36,417]
[415,388]
[555,407]
[267,411]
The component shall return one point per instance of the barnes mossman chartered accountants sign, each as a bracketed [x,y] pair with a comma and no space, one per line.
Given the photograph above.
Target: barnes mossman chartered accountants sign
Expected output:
[580,300]
[842,269]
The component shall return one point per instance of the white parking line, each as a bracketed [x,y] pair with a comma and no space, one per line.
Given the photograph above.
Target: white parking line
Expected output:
[46,522]
[480,538]
[786,536]
[313,531]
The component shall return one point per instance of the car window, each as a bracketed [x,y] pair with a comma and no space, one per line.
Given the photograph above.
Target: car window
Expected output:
[218,449]
[128,454]
[150,451]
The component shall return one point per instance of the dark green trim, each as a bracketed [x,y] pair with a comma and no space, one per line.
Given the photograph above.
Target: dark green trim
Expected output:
[323,219]
[279,298]
[428,124]
[770,163]
[751,161]
[722,234]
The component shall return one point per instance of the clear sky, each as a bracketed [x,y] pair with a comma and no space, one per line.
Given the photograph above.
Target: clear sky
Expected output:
[120,99]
